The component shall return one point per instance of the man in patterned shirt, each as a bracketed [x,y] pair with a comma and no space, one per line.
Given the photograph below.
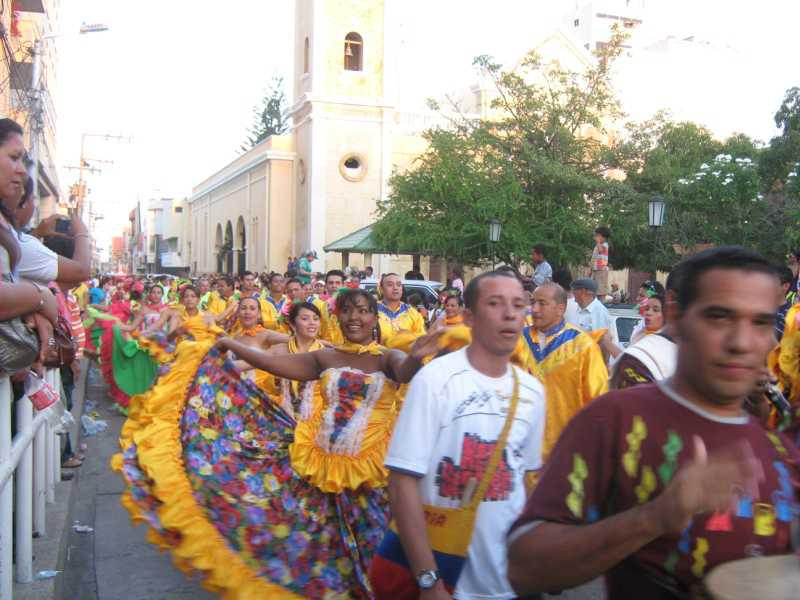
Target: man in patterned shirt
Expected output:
[657,484]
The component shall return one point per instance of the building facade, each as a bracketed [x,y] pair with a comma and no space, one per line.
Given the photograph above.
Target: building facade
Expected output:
[321,181]
[23,23]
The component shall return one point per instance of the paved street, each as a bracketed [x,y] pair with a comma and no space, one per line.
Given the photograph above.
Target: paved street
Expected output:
[115,562]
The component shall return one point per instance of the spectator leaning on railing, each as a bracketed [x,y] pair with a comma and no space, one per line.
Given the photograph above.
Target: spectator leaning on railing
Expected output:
[18,345]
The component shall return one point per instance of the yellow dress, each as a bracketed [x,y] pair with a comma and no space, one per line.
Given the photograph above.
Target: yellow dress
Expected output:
[785,359]
[343,443]
[210,466]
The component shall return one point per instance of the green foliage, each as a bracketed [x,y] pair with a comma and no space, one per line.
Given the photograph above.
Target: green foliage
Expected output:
[541,165]
[531,166]
[269,118]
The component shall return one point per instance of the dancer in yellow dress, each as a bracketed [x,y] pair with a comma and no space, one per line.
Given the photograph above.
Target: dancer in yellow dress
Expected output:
[261,505]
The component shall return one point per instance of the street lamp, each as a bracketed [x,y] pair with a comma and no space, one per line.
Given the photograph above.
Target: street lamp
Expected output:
[655,218]
[495,229]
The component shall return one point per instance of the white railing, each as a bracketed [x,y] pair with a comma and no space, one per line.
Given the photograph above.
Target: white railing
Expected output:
[34,458]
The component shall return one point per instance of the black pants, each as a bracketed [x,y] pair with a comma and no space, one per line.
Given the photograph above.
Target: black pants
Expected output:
[68,382]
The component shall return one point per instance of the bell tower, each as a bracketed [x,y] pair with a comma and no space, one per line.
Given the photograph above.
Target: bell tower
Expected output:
[342,114]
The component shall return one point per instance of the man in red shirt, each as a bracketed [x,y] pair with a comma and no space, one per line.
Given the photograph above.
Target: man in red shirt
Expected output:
[655,485]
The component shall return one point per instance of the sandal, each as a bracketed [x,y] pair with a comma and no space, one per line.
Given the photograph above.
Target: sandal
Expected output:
[72,463]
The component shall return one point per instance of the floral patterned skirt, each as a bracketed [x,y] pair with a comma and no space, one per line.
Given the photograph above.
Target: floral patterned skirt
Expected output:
[207,466]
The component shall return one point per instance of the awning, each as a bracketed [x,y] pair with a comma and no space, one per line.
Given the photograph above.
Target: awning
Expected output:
[363,242]
[360,241]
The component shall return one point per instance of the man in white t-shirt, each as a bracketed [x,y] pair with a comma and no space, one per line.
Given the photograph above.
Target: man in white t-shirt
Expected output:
[452,417]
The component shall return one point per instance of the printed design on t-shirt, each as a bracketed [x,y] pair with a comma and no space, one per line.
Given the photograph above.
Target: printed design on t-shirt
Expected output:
[647,485]
[475,401]
[783,498]
[699,556]
[638,433]
[671,450]
[671,562]
[580,471]
[763,519]
[776,441]
[452,479]
[719,521]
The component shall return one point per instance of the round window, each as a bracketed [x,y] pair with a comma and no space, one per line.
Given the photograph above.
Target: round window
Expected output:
[353,167]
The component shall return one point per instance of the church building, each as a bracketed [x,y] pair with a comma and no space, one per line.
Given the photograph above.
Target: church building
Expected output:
[318,185]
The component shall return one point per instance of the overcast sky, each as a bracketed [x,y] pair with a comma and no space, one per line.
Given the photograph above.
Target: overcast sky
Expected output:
[181,76]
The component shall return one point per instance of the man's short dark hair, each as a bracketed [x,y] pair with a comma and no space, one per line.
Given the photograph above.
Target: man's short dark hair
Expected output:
[272,276]
[785,275]
[539,249]
[473,290]
[334,273]
[228,280]
[729,258]
[293,280]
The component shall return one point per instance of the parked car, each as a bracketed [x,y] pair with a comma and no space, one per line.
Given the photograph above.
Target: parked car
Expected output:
[428,291]
[624,319]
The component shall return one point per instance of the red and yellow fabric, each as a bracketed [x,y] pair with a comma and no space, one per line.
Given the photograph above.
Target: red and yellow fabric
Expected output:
[573,371]
[405,319]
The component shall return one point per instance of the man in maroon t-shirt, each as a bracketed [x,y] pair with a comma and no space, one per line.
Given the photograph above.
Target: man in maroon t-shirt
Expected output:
[655,485]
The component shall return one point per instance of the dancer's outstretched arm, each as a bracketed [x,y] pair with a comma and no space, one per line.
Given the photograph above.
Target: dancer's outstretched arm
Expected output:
[299,367]
[404,366]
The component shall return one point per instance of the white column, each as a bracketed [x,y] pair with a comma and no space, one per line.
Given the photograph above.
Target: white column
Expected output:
[7,492]
[23,524]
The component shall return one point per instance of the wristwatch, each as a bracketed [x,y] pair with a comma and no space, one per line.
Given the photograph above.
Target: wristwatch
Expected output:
[427,579]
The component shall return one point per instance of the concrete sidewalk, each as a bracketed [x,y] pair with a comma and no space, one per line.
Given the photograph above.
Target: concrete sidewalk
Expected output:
[114,562]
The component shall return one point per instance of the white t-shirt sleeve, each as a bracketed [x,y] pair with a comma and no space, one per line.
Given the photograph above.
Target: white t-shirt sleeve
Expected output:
[417,428]
[37,262]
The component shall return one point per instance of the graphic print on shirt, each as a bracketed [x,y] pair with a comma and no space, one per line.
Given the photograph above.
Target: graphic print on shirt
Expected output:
[452,478]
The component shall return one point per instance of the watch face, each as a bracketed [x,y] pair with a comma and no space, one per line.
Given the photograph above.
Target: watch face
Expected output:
[427,579]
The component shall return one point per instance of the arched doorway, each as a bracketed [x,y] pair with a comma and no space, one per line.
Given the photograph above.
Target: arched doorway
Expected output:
[228,248]
[241,245]
[219,251]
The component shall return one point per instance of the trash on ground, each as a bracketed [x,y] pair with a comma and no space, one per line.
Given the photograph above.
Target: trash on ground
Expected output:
[93,426]
[78,528]
[46,575]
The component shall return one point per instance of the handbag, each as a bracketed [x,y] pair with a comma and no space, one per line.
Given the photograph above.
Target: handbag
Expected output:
[449,531]
[62,353]
[19,344]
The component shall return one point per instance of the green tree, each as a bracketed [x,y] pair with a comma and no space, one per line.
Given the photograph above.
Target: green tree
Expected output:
[538,165]
[269,117]
[784,150]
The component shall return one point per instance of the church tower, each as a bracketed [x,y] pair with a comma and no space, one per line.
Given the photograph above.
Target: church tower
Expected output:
[342,112]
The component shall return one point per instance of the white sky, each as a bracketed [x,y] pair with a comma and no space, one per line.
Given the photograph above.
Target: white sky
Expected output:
[182,76]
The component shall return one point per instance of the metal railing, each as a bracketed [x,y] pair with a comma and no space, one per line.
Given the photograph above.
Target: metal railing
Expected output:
[33,458]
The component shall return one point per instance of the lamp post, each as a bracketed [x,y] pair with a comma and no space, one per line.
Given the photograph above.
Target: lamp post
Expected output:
[655,219]
[495,229]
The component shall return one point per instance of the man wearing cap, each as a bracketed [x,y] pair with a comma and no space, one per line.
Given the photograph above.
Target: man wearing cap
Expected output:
[304,268]
[592,315]
[567,360]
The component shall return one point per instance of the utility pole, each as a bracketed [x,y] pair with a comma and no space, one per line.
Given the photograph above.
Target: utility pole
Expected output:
[83,164]
[37,107]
